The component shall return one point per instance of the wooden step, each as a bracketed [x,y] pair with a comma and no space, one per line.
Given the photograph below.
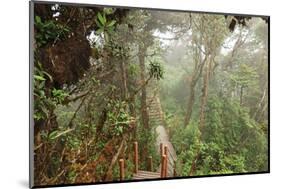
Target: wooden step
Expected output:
[146,175]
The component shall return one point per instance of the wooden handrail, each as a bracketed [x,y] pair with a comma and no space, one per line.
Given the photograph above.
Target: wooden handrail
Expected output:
[164,150]
[166,160]
[121,169]
[163,166]
[150,163]
[175,171]
[136,157]
[161,149]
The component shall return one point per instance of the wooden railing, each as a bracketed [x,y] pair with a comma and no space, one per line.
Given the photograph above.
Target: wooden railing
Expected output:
[164,151]
[165,154]
[136,157]
[121,168]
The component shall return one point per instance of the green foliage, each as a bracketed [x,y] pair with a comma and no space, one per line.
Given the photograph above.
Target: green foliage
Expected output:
[234,132]
[71,175]
[118,117]
[49,31]
[245,76]
[209,32]
[59,95]
[228,142]
[147,139]
[133,69]
[83,133]
[52,135]
[106,27]
[41,101]
[73,141]
[156,70]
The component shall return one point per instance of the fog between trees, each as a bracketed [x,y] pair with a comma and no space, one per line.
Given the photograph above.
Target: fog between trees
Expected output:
[106,77]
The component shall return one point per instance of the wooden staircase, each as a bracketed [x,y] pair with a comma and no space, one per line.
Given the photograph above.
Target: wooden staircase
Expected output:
[156,121]
[162,172]
[169,151]
[155,112]
[166,150]
[142,174]
[146,175]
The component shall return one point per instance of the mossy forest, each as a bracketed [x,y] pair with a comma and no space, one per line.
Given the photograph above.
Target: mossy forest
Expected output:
[127,94]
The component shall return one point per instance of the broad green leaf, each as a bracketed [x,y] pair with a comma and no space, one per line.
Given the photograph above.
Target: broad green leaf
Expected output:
[101,19]
[38,77]
[104,18]
[111,23]
[108,10]
[53,135]
[106,38]
[99,24]
[99,31]
[37,19]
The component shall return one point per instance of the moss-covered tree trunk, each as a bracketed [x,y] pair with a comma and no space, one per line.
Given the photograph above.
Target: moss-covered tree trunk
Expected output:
[144,112]
[204,97]
[195,77]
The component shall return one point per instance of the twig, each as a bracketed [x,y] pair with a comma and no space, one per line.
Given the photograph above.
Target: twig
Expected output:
[64,132]
[76,111]
[114,159]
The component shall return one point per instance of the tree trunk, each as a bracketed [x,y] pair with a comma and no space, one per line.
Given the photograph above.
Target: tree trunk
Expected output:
[124,79]
[132,108]
[190,103]
[101,122]
[195,77]
[144,113]
[260,106]
[262,113]
[204,98]
[241,95]
[143,92]
[202,114]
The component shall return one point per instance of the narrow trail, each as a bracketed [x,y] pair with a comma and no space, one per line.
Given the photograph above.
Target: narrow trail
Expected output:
[164,139]
[156,121]
[156,117]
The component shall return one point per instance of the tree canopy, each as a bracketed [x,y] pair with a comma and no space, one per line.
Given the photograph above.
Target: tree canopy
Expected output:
[106,77]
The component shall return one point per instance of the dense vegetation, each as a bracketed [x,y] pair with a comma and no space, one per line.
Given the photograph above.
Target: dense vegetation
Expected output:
[96,70]
[223,128]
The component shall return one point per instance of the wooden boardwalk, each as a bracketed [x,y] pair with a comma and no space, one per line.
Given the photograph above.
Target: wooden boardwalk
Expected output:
[146,175]
[165,169]
[164,146]
[156,117]
[163,139]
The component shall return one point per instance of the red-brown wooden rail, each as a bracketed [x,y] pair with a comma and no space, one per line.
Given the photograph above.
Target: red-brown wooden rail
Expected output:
[140,174]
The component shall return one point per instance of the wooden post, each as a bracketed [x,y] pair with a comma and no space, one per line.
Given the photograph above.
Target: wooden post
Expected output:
[150,164]
[161,149]
[121,169]
[163,164]
[166,166]
[136,158]
[175,166]
[166,150]
[166,161]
